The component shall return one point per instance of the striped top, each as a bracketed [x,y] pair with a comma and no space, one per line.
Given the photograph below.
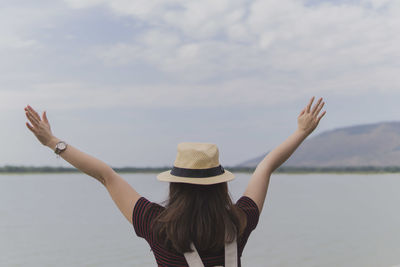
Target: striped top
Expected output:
[145,212]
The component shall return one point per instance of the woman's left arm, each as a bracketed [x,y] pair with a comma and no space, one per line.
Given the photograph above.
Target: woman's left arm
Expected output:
[124,196]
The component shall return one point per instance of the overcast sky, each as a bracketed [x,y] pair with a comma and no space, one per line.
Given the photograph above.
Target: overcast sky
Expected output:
[127,80]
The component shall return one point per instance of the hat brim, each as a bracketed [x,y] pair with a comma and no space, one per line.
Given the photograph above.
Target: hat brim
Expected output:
[168,177]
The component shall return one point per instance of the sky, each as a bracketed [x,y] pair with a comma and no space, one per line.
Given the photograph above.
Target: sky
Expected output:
[127,80]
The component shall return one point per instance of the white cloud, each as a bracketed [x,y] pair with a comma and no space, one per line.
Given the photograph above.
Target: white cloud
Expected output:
[201,40]
[252,51]
[240,92]
[18,24]
[378,3]
[84,4]
[78,95]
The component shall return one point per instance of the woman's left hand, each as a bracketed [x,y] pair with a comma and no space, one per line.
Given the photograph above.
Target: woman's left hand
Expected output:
[310,116]
[40,126]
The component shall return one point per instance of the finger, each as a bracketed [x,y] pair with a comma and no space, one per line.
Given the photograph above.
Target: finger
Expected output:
[32,119]
[29,127]
[316,106]
[319,108]
[34,113]
[302,112]
[320,116]
[30,111]
[45,117]
[310,103]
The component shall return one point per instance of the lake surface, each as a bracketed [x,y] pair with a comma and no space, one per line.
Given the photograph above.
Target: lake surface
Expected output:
[308,220]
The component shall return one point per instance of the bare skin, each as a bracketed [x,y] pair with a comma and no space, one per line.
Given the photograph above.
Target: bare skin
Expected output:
[307,121]
[122,193]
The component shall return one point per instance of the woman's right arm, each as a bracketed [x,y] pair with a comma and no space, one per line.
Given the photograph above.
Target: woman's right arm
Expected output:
[307,122]
[124,196]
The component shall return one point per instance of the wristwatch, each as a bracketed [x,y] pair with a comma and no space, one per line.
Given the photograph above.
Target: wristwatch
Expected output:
[60,147]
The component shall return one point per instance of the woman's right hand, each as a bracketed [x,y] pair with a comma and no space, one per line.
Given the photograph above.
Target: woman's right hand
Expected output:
[40,127]
[308,119]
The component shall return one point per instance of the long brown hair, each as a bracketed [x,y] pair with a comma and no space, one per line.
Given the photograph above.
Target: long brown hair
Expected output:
[200,214]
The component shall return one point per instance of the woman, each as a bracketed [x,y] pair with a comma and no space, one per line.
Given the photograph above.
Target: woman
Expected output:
[200,226]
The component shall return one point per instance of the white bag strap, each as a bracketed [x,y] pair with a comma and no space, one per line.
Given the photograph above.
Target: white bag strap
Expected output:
[193,258]
[231,254]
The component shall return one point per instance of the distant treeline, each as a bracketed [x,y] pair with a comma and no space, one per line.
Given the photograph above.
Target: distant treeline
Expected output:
[48,169]
[360,169]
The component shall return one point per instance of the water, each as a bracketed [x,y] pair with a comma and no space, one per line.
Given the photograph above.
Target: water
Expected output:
[308,220]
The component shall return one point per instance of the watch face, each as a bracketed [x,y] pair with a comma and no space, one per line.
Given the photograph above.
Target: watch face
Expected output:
[61,146]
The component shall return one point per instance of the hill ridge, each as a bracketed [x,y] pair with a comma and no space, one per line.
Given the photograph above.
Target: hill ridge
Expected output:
[373,144]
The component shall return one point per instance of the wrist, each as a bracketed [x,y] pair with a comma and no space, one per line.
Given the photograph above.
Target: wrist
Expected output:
[302,133]
[53,142]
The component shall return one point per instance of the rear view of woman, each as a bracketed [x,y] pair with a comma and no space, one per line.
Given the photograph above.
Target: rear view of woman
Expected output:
[199,226]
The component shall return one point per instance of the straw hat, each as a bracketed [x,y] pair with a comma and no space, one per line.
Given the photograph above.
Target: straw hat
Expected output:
[196,163]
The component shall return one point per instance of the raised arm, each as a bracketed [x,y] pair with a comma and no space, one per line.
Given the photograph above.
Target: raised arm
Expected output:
[121,192]
[307,121]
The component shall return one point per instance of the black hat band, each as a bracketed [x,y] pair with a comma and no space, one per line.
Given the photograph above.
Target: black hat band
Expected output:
[197,173]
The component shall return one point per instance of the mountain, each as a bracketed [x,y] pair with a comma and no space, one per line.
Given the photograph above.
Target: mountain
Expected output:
[375,145]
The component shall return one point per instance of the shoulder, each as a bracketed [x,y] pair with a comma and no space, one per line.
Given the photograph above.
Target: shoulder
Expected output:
[144,213]
[249,207]
[144,207]
[143,204]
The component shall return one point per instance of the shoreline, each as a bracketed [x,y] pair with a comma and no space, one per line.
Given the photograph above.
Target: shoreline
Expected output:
[7,170]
